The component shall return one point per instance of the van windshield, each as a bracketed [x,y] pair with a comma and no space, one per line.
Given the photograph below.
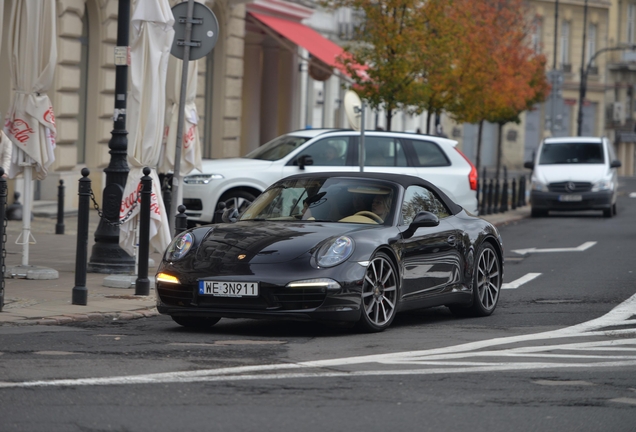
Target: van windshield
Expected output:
[572,153]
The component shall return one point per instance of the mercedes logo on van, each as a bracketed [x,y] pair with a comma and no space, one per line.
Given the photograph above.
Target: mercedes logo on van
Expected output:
[570,186]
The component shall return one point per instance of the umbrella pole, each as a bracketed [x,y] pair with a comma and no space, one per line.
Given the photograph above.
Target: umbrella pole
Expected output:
[26,213]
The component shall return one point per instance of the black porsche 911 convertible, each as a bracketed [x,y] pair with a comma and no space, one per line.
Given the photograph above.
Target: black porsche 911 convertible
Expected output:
[340,247]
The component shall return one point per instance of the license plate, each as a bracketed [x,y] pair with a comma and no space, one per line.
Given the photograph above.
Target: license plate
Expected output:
[228,289]
[570,198]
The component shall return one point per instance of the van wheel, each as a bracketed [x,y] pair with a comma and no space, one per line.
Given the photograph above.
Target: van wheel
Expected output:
[608,212]
[614,209]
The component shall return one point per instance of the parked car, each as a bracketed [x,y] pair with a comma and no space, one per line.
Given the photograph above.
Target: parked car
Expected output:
[341,247]
[235,182]
[574,173]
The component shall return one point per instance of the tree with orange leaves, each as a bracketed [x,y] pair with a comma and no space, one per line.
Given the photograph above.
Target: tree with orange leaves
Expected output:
[497,74]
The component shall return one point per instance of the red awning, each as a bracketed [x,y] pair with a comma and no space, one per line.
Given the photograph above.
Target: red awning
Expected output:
[303,36]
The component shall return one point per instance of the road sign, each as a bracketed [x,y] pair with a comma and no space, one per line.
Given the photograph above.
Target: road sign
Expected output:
[205,31]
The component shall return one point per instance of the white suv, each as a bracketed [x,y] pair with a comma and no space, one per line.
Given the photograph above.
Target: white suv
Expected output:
[237,181]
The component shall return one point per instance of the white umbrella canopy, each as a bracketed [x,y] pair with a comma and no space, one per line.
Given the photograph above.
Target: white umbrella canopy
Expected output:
[30,121]
[151,39]
[191,146]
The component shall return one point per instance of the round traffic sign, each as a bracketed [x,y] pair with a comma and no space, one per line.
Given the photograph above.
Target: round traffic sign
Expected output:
[205,30]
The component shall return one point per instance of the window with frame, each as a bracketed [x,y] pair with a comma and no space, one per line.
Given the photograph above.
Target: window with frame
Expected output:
[384,151]
[591,42]
[537,33]
[565,43]
[329,151]
[429,154]
[631,24]
[418,199]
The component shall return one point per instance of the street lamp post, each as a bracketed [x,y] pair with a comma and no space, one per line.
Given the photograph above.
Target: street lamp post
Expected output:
[584,74]
[107,256]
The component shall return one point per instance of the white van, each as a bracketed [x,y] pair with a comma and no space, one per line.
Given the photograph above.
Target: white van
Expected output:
[574,173]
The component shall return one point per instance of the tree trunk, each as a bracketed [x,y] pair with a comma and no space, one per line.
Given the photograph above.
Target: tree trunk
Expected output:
[389,116]
[428,122]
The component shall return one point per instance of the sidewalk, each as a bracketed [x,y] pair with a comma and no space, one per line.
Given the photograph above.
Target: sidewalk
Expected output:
[33,301]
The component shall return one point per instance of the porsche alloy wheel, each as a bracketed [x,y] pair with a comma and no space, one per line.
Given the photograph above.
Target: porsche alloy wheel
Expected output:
[379,294]
[487,282]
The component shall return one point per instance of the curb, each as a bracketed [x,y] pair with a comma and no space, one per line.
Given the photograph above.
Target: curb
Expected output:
[91,316]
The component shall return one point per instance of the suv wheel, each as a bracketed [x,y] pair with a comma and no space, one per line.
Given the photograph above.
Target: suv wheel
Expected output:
[239,200]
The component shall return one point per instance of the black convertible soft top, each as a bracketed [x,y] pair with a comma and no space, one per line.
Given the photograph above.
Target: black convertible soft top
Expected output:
[401,179]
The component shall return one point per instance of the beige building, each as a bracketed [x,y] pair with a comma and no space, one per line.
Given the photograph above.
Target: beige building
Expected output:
[256,84]
[83,95]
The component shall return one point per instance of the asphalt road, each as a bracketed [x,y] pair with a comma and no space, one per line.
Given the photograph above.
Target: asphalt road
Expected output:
[558,354]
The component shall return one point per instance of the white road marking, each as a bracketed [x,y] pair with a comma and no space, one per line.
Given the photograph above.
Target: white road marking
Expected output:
[632,194]
[585,246]
[517,283]
[428,362]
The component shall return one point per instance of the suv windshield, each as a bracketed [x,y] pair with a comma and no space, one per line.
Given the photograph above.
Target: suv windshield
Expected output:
[277,148]
[572,153]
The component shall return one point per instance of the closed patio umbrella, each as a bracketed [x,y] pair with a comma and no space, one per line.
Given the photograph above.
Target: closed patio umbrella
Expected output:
[152,33]
[30,121]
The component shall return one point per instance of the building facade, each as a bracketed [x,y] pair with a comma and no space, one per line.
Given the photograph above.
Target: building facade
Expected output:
[260,82]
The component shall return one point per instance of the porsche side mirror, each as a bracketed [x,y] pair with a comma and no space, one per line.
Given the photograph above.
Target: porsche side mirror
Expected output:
[422,220]
[305,160]
[615,164]
[528,164]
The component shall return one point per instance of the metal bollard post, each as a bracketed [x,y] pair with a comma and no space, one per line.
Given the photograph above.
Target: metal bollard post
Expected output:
[80,292]
[142,284]
[522,191]
[514,199]
[491,191]
[3,235]
[495,208]
[504,192]
[59,227]
[180,221]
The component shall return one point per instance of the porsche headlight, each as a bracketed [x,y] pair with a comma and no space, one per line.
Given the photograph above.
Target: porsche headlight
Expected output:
[179,246]
[602,185]
[334,252]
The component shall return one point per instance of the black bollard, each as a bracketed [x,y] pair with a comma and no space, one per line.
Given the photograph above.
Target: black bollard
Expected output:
[14,211]
[80,292]
[491,190]
[181,220]
[497,197]
[218,214]
[3,234]
[513,201]
[142,285]
[59,227]
[522,191]
[504,192]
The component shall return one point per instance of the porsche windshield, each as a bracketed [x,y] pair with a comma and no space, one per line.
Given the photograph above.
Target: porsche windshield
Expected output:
[324,200]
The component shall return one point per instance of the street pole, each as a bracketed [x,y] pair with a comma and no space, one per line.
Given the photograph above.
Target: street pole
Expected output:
[584,74]
[584,71]
[107,256]
[553,95]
